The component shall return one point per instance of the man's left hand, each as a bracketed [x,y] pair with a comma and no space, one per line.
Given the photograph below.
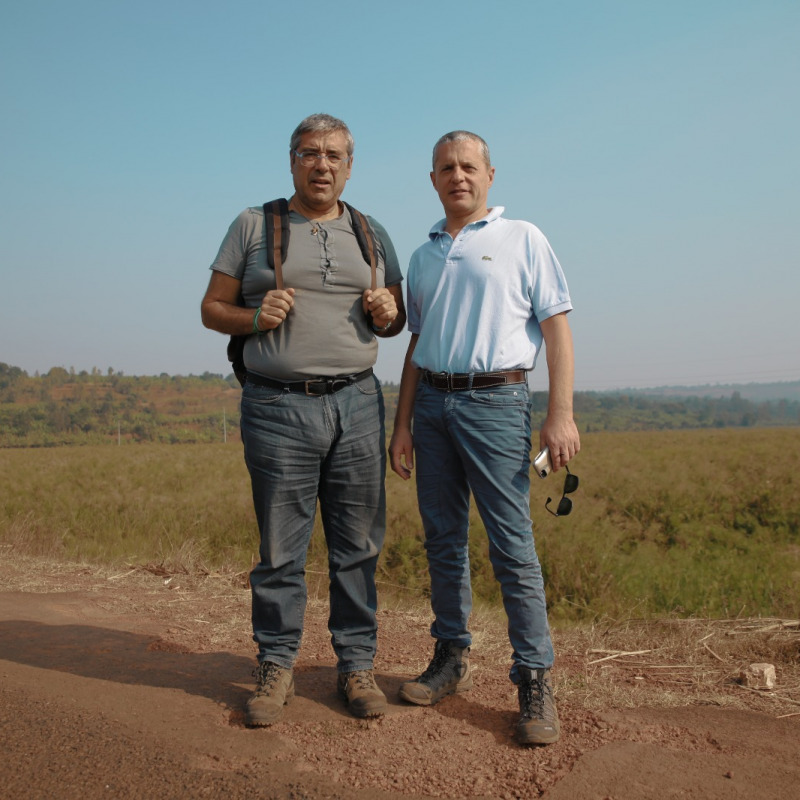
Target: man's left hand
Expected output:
[560,434]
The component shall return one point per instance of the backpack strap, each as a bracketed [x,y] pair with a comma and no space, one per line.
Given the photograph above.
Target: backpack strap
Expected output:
[367,241]
[276,221]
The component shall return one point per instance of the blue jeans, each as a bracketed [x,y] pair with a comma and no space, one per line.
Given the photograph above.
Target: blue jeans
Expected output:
[480,440]
[299,449]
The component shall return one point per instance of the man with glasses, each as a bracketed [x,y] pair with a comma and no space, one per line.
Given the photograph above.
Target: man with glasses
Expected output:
[483,294]
[312,412]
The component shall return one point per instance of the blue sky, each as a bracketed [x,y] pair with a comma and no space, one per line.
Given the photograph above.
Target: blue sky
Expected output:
[655,144]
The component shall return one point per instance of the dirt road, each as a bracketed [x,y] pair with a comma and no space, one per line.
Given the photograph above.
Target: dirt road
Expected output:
[131,685]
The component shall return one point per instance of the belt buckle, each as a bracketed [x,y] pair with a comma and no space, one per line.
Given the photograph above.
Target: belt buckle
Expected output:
[308,384]
[448,380]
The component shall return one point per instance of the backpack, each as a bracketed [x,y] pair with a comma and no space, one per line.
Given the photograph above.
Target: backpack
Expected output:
[276,220]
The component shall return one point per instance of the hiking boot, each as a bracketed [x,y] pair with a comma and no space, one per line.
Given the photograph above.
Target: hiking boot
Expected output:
[274,687]
[359,690]
[538,721]
[448,672]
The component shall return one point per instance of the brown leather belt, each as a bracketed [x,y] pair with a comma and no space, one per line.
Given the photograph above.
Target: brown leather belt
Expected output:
[314,387]
[459,382]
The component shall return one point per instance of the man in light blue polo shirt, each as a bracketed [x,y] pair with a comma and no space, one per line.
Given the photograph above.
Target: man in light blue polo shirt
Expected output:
[484,293]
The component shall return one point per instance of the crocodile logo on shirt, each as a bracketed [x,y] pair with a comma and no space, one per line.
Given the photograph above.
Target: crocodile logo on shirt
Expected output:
[486,258]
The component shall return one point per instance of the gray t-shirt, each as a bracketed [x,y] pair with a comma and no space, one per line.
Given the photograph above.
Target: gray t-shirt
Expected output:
[326,333]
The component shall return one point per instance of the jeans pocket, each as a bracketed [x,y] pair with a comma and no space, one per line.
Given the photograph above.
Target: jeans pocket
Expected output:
[502,396]
[261,395]
[369,386]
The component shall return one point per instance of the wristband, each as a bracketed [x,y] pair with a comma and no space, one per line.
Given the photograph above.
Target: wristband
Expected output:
[256,329]
[383,329]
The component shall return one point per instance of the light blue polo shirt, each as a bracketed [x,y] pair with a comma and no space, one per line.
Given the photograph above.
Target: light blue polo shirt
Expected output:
[477,301]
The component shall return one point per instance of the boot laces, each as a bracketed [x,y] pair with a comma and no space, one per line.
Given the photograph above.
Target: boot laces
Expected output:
[533,694]
[267,675]
[437,671]
[363,679]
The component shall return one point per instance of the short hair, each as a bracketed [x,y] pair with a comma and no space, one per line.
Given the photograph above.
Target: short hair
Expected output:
[321,123]
[463,136]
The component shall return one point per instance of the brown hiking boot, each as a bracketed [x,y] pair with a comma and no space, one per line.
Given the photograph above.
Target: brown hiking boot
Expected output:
[448,672]
[359,690]
[538,721]
[274,687]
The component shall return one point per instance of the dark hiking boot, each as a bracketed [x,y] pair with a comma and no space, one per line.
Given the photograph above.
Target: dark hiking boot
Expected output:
[538,720]
[362,695]
[449,672]
[274,687]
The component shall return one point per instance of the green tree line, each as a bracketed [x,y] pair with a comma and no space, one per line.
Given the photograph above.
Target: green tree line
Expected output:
[65,407]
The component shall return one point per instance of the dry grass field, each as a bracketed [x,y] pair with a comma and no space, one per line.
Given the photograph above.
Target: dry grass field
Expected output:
[670,523]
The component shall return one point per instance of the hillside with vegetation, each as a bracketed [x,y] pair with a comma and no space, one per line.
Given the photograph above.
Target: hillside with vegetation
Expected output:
[65,407]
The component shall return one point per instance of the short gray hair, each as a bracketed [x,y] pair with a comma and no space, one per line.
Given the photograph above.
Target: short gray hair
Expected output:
[321,123]
[463,136]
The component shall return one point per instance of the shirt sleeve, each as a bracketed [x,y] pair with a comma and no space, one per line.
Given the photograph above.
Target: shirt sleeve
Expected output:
[413,319]
[234,250]
[549,292]
[390,260]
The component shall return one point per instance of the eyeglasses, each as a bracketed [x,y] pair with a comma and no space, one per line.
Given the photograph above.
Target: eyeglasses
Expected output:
[565,503]
[309,158]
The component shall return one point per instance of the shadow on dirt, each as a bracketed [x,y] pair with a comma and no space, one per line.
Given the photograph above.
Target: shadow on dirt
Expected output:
[500,724]
[94,652]
[104,654]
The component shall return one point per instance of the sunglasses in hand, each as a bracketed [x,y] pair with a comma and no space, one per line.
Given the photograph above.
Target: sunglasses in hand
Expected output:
[565,503]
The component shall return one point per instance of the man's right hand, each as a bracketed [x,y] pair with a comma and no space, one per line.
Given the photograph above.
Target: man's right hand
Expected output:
[275,307]
[401,452]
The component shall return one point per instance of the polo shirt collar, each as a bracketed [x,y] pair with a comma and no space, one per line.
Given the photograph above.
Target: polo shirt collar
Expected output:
[494,213]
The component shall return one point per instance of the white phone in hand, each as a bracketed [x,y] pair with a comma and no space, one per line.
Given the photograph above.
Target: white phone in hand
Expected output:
[542,463]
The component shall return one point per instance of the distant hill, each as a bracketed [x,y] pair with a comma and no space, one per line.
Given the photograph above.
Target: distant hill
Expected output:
[65,407]
[755,392]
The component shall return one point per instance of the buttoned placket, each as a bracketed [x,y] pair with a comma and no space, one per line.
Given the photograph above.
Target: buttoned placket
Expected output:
[328,264]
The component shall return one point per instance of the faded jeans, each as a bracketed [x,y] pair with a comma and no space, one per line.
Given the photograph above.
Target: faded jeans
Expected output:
[299,449]
[480,440]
